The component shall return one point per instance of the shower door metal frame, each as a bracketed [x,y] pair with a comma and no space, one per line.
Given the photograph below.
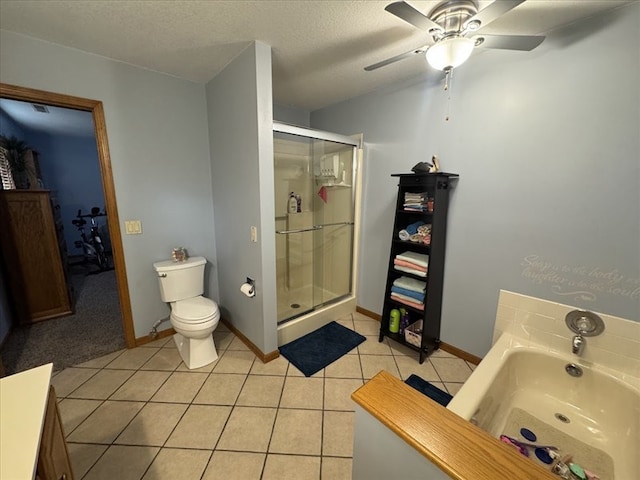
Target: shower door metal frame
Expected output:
[279,127]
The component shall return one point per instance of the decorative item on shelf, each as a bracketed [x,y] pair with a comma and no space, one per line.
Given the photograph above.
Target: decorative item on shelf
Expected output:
[179,254]
[394,321]
[436,164]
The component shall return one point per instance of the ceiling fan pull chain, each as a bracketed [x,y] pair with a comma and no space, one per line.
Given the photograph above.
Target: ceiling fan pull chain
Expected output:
[448,83]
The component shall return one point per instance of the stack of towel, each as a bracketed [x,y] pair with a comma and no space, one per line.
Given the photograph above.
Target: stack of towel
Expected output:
[417,232]
[409,291]
[412,262]
[415,202]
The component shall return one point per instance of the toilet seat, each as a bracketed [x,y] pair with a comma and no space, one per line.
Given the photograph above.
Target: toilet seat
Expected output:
[194,310]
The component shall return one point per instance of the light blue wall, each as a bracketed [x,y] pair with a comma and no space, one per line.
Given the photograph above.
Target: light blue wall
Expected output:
[547,147]
[291,115]
[8,127]
[157,131]
[70,167]
[241,140]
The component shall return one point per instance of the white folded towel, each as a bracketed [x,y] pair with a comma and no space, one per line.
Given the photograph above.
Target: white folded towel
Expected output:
[421,259]
[400,268]
[410,284]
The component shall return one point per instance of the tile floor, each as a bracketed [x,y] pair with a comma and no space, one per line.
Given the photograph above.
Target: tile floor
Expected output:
[140,414]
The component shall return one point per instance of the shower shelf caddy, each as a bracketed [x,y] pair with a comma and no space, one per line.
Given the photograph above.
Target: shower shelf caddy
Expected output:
[437,187]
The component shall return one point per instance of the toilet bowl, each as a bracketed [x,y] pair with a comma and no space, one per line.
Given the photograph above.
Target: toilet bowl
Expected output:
[193,316]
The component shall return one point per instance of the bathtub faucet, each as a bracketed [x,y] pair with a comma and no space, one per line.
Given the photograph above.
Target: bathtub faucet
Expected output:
[577,345]
[585,324]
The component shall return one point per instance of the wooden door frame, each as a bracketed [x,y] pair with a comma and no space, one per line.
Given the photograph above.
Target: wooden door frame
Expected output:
[14,92]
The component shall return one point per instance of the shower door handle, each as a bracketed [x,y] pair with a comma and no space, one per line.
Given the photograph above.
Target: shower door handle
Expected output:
[314,227]
[300,230]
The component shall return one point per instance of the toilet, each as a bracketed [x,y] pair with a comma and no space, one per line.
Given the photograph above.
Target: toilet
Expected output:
[193,316]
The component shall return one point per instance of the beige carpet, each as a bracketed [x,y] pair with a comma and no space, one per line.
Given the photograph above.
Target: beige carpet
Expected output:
[584,455]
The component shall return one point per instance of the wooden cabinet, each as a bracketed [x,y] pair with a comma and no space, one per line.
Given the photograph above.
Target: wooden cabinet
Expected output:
[34,254]
[53,459]
[416,261]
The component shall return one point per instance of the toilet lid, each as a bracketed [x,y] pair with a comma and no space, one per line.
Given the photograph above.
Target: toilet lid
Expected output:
[195,308]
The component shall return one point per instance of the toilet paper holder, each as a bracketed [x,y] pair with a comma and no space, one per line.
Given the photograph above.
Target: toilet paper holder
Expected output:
[249,288]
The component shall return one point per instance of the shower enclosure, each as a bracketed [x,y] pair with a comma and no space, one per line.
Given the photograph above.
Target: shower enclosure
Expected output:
[314,229]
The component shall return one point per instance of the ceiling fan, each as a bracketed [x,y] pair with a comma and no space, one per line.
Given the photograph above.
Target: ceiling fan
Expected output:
[454,27]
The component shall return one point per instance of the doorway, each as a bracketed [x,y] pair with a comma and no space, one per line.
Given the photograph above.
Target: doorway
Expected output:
[96,109]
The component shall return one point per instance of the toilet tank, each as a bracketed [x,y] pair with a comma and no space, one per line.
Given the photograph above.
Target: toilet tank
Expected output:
[181,280]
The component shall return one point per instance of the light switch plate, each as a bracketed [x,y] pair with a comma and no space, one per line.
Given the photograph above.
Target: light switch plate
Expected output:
[132,227]
[254,234]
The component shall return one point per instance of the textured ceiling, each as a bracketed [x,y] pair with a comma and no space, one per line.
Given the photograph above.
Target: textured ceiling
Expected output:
[319,48]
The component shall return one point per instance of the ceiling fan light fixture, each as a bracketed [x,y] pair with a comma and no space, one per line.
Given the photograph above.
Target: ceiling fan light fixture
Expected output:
[450,52]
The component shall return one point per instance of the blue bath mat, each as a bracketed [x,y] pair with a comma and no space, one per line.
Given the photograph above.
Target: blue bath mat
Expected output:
[317,349]
[431,391]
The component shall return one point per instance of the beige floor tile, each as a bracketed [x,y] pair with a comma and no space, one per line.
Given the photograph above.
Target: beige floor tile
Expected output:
[336,468]
[153,425]
[133,359]
[472,366]
[103,361]
[248,429]
[102,385]
[439,353]
[179,464]
[206,369]
[141,386]
[294,372]
[171,343]
[234,466]
[302,392]
[452,388]
[200,427]
[363,317]
[297,432]
[400,349]
[222,339]
[235,361]
[409,365]
[337,393]
[106,422]
[372,347]
[261,391]
[451,369]
[83,456]
[372,364]
[161,342]
[346,322]
[123,463]
[274,367]
[166,359]
[367,327]
[337,434]
[180,387]
[347,366]
[291,467]
[74,411]
[237,344]
[220,389]
[69,379]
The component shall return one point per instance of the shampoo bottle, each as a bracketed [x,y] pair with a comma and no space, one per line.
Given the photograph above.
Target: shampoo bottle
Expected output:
[292,205]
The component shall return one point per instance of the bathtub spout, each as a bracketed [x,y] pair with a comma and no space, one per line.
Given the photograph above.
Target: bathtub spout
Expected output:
[577,345]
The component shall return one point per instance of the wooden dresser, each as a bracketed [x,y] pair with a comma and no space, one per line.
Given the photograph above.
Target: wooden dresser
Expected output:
[34,253]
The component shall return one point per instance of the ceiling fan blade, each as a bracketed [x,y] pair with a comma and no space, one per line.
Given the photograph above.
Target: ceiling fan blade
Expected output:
[508,42]
[493,11]
[406,12]
[397,58]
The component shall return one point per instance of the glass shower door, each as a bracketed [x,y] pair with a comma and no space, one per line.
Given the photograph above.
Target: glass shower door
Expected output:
[314,222]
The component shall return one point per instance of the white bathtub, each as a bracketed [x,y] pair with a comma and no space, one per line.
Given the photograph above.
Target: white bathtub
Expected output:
[602,409]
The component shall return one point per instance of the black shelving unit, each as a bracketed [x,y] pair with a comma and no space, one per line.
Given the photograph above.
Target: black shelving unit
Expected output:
[436,186]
